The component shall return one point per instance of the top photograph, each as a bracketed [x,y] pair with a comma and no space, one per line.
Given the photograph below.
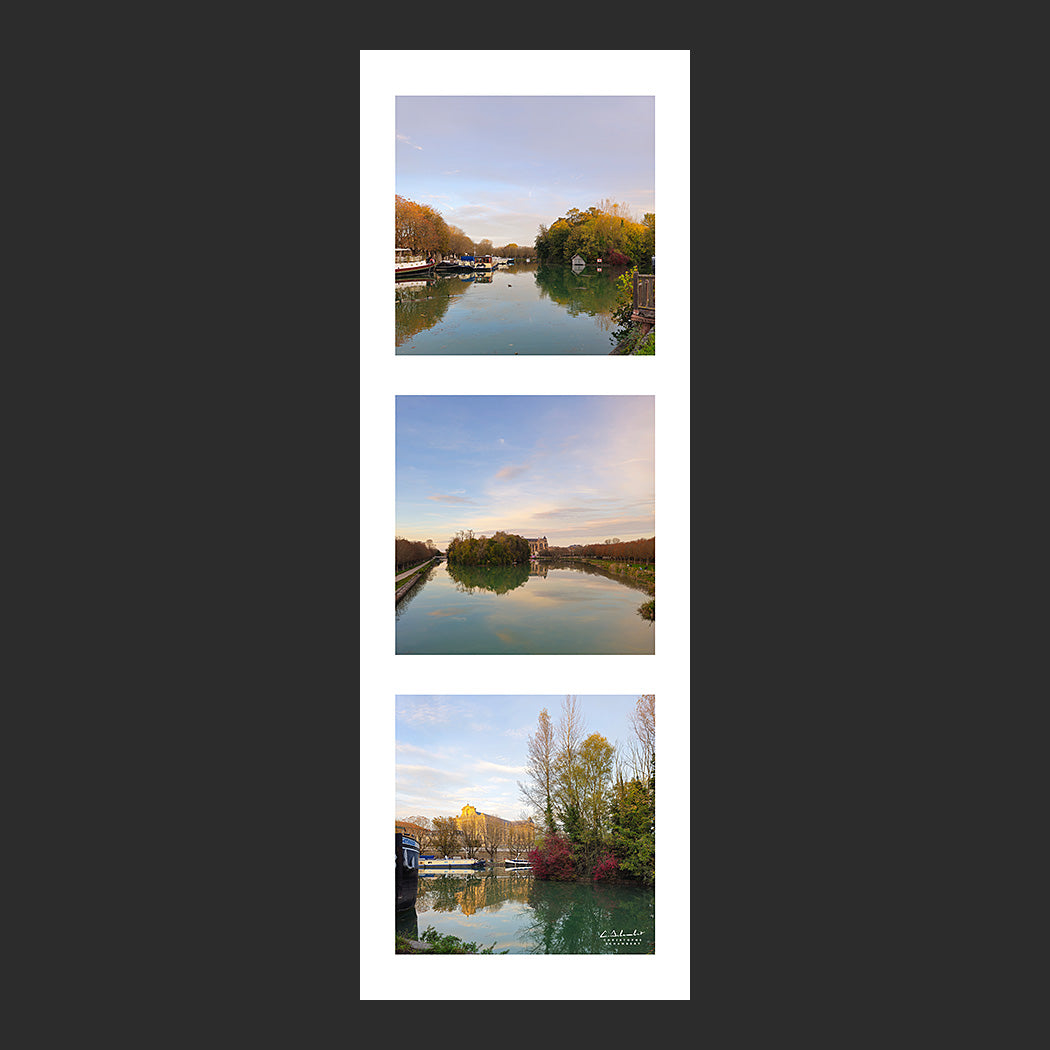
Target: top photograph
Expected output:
[525,225]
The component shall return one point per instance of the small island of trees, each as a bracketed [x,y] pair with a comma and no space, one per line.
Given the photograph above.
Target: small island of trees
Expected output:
[502,548]
[606,231]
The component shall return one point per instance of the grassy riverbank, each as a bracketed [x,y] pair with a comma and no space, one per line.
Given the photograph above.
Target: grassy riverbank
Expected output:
[644,572]
[634,343]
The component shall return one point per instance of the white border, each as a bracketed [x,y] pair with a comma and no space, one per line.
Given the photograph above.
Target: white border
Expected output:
[665,74]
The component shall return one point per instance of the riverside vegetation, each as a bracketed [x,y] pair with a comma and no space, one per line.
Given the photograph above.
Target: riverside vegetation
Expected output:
[502,548]
[593,804]
[410,554]
[630,339]
[598,806]
[433,943]
[631,560]
[606,230]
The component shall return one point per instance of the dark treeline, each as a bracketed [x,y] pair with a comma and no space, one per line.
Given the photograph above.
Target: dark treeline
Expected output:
[421,229]
[412,552]
[626,550]
[606,231]
[502,548]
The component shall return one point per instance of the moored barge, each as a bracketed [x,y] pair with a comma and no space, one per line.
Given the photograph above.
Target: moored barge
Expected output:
[406,870]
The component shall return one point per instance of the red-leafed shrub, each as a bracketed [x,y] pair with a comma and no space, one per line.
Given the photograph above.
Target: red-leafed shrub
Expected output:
[553,860]
[606,868]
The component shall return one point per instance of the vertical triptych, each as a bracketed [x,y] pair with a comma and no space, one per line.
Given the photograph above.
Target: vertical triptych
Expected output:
[524,445]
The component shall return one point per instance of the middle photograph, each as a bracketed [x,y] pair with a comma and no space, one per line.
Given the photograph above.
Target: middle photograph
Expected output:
[525,525]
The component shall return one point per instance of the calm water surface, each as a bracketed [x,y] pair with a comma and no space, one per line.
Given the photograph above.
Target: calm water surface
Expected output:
[527,916]
[528,308]
[538,609]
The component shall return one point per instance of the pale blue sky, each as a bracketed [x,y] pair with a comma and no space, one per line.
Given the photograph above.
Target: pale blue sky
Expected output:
[499,166]
[576,469]
[472,749]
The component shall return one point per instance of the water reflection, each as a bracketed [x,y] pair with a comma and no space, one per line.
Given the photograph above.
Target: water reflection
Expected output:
[598,570]
[532,308]
[580,291]
[570,608]
[496,578]
[406,922]
[569,919]
[525,915]
[422,304]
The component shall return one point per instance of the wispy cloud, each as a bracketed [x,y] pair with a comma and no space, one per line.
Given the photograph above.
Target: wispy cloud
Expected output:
[484,766]
[447,497]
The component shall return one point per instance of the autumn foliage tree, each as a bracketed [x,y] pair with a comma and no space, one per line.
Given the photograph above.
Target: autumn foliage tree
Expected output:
[446,836]
[553,859]
[606,231]
[642,550]
[600,820]
[412,552]
[419,228]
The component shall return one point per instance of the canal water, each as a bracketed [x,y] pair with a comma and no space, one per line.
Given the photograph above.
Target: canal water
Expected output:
[545,608]
[522,915]
[525,309]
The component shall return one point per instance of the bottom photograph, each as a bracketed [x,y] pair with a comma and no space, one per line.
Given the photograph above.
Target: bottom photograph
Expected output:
[525,825]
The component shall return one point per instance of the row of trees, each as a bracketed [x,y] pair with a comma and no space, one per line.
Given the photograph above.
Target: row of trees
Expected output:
[622,550]
[412,552]
[605,231]
[502,548]
[421,229]
[596,805]
[451,836]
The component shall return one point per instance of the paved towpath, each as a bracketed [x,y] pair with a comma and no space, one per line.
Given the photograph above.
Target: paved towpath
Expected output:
[408,572]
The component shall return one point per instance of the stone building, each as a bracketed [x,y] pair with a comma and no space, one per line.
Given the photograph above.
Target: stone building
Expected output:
[514,832]
[536,545]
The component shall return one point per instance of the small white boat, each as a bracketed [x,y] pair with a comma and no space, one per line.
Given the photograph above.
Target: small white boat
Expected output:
[407,263]
[448,863]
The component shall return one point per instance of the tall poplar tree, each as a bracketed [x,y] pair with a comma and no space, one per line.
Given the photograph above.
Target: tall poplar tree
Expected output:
[537,790]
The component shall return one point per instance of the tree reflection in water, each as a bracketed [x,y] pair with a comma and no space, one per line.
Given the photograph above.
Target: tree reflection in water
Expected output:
[538,917]
[496,578]
[421,304]
[597,570]
[582,919]
[581,293]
